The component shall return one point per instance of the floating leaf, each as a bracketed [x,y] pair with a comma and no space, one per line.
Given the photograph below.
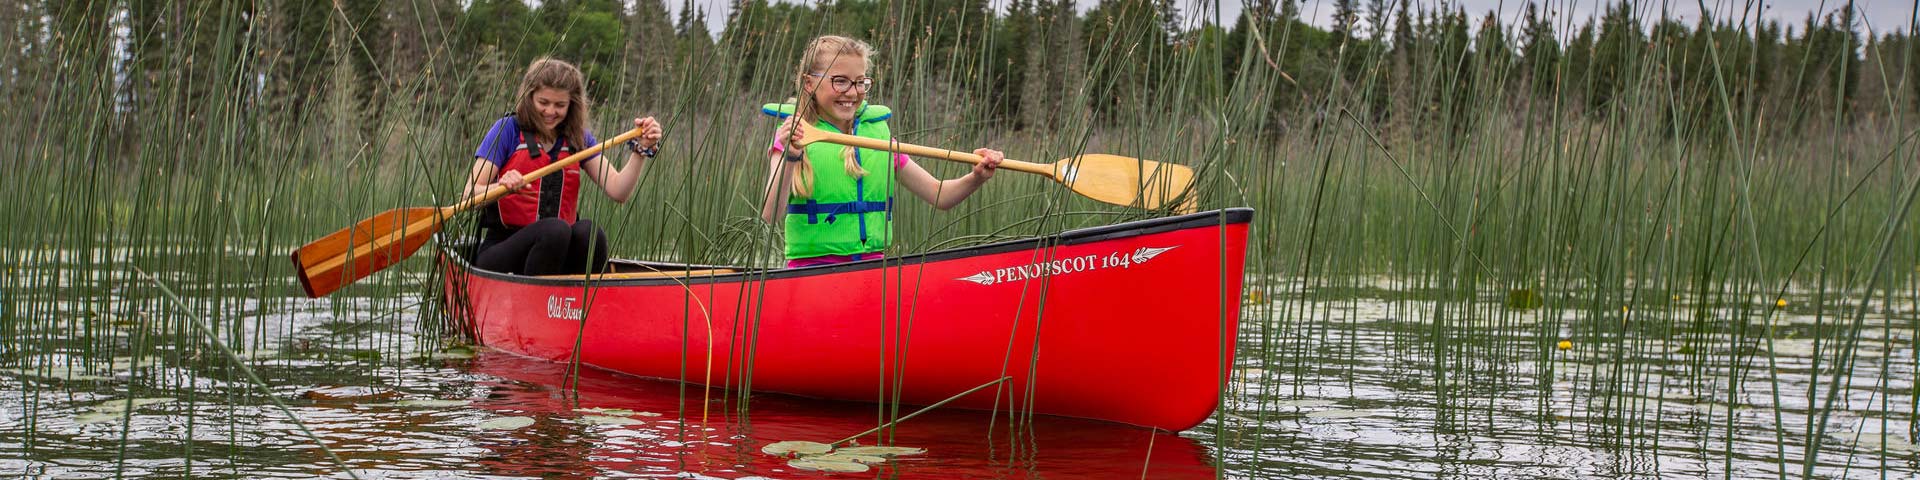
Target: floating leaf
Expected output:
[127,363]
[1306,403]
[607,420]
[618,412]
[1340,414]
[97,417]
[849,457]
[431,403]
[1523,299]
[881,451]
[1718,409]
[506,423]
[1890,443]
[826,465]
[121,405]
[365,355]
[348,394]
[789,447]
[445,356]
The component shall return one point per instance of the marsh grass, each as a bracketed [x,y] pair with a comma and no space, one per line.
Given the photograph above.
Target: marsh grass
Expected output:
[1656,245]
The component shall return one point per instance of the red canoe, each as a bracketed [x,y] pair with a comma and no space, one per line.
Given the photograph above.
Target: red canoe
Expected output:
[1131,323]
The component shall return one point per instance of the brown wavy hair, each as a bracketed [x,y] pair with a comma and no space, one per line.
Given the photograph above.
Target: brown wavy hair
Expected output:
[548,72]
[819,55]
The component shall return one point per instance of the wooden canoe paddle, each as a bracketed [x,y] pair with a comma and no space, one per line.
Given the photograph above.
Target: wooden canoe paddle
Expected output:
[348,255]
[1124,181]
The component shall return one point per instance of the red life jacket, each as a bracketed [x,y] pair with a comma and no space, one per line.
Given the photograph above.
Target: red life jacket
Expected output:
[555,195]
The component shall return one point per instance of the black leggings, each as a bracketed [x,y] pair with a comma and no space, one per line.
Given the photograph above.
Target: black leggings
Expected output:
[547,247]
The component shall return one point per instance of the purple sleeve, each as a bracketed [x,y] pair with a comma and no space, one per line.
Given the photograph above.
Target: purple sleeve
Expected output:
[499,142]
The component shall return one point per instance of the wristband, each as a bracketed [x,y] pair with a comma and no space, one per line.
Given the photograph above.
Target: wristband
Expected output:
[649,152]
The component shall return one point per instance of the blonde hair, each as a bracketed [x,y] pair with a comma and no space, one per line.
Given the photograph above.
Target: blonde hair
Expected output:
[820,53]
[548,72]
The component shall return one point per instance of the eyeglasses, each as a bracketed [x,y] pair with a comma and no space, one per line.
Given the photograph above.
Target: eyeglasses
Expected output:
[841,83]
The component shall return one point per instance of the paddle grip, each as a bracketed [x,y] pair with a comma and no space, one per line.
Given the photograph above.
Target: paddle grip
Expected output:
[920,151]
[497,191]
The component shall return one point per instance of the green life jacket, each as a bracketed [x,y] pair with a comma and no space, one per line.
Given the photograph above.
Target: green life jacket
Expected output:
[845,216]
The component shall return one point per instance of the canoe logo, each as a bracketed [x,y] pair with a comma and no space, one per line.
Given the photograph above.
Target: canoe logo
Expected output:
[563,308]
[1065,266]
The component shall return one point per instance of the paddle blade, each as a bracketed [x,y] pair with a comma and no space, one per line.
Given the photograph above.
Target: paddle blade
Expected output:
[1127,181]
[372,245]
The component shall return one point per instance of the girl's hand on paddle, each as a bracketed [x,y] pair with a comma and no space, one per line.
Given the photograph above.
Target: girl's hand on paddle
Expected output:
[990,161]
[650,131]
[785,135]
[512,180]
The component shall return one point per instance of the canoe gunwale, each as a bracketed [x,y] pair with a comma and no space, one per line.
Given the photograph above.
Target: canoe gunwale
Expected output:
[1221,217]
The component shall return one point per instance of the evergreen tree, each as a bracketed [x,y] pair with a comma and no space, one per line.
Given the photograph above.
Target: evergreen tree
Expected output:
[299,54]
[1125,45]
[1616,54]
[649,55]
[1843,50]
[695,41]
[1491,48]
[366,24]
[1541,55]
[1053,81]
[1766,47]
[1345,15]
[1014,43]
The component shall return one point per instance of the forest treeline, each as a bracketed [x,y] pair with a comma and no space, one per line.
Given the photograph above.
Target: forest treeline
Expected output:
[1033,65]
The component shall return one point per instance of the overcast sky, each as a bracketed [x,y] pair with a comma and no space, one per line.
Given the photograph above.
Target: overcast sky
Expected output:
[1881,16]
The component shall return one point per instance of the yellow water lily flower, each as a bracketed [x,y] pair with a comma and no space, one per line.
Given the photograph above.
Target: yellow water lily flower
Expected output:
[1781,303]
[1565,344]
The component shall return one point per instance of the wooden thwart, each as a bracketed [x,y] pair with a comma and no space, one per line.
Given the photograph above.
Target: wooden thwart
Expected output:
[708,272]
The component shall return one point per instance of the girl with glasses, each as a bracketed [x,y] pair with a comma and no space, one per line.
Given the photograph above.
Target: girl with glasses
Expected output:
[837,201]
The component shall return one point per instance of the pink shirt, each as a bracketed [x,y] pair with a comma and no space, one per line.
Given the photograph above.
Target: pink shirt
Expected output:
[899,160]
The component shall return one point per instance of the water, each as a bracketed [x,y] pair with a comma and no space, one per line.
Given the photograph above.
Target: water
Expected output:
[1353,383]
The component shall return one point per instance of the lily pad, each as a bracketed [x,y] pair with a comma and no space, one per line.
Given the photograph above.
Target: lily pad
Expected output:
[849,457]
[1340,414]
[617,412]
[506,423]
[456,352]
[431,403]
[120,405]
[881,451]
[791,447]
[827,465]
[90,418]
[348,394]
[1891,443]
[1307,403]
[608,420]
[1523,299]
[84,378]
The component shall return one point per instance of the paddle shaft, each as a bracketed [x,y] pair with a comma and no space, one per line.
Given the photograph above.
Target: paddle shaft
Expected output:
[378,242]
[927,152]
[497,191]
